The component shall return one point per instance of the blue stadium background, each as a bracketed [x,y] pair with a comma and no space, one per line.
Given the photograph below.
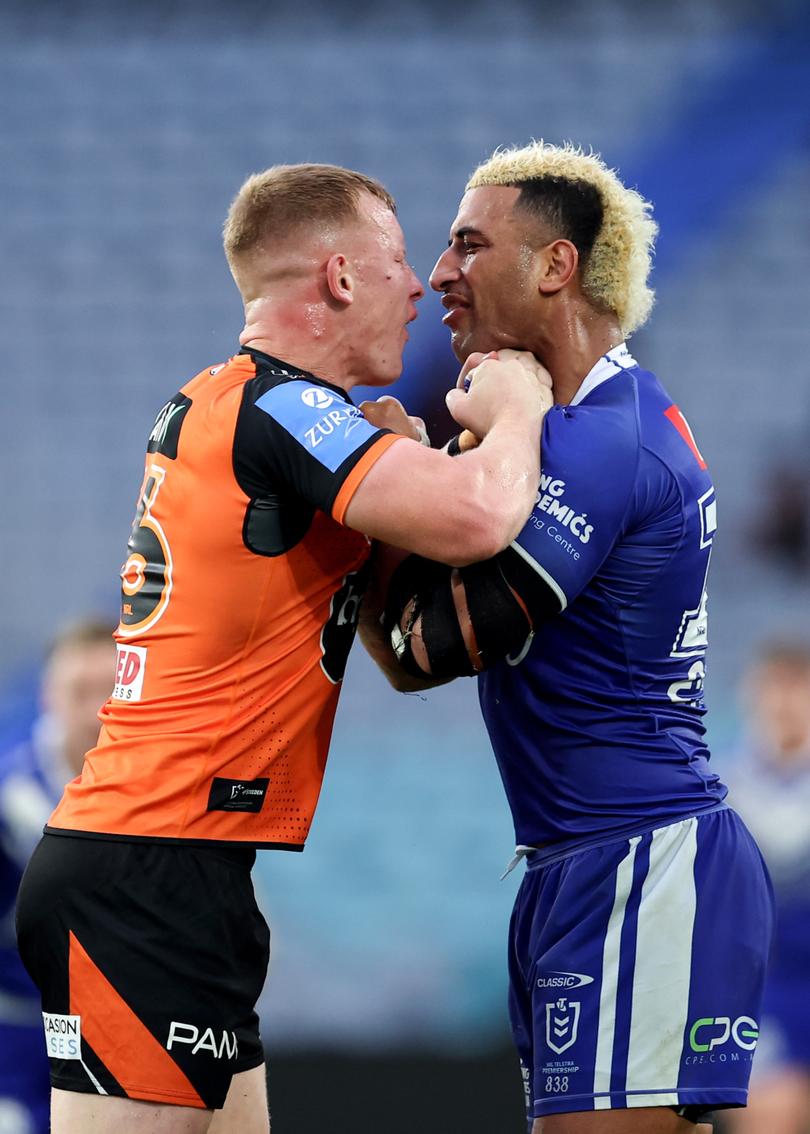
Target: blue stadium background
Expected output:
[124,133]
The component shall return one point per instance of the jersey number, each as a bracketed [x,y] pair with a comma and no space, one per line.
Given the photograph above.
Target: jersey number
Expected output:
[693,633]
[146,577]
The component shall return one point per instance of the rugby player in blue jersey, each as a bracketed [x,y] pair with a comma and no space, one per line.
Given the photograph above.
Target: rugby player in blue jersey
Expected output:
[770,786]
[642,925]
[76,681]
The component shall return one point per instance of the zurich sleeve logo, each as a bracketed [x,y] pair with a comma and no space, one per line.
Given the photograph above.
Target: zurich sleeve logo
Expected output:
[325,424]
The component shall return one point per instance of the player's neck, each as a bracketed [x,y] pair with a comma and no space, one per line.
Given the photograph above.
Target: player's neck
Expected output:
[298,334]
[571,349]
[302,355]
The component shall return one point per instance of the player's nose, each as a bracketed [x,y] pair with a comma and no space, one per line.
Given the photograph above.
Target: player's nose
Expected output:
[445,271]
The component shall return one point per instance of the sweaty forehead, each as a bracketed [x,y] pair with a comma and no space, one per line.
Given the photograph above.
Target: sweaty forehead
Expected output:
[378,220]
[488,209]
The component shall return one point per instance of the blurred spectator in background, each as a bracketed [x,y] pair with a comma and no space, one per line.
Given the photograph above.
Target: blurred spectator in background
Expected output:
[76,680]
[782,529]
[771,789]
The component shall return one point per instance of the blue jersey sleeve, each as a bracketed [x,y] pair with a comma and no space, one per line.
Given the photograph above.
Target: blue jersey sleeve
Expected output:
[589,463]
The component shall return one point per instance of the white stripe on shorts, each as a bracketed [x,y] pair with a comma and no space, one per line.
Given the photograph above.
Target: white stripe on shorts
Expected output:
[92,1078]
[610,980]
[661,978]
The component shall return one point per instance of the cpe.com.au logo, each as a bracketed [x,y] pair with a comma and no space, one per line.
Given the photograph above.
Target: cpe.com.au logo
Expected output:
[710,1032]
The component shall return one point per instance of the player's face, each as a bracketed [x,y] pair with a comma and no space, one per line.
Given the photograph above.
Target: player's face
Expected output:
[387,292]
[487,275]
[781,699]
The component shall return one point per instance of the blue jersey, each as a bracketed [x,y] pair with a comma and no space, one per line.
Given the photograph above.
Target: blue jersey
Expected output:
[597,725]
[32,777]
[774,800]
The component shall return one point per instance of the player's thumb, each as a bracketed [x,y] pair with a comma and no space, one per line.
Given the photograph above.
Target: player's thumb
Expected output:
[460,409]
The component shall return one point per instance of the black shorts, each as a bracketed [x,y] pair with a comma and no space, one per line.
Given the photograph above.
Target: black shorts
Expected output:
[150,958]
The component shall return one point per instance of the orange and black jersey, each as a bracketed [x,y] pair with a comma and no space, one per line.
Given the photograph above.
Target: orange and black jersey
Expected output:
[240,596]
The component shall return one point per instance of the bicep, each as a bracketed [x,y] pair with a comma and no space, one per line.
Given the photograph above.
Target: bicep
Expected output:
[413,498]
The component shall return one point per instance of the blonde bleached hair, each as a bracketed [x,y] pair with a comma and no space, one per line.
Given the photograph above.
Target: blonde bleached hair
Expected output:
[617,264]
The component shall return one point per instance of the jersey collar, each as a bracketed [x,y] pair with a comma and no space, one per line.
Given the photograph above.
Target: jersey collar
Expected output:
[289,370]
[619,358]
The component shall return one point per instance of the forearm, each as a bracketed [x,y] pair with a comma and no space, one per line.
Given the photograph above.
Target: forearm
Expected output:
[460,511]
[374,638]
[502,473]
[454,510]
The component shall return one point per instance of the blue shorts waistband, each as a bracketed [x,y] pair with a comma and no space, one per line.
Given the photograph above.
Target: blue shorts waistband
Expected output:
[542,856]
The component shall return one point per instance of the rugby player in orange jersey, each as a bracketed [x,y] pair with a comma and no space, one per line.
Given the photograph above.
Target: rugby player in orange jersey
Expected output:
[240,592]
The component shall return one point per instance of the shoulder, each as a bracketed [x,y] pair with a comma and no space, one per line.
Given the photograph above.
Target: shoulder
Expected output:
[664,428]
[600,435]
[292,400]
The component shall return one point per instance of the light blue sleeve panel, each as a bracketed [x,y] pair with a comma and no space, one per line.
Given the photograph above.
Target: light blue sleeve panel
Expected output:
[326,426]
[589,458]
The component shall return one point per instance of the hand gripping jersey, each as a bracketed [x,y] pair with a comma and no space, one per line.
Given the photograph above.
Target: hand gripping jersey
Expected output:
[597,725]
[240,596]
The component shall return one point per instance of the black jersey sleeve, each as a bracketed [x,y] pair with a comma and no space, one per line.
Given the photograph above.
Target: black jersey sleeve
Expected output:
[296,438]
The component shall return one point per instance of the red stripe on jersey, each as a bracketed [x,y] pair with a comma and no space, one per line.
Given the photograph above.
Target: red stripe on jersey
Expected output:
[676,418]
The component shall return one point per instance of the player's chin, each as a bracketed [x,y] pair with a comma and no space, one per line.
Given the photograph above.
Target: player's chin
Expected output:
[463,345]
[383,375]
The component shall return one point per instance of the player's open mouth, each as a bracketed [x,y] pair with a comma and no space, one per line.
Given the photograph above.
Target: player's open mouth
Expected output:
[454,304]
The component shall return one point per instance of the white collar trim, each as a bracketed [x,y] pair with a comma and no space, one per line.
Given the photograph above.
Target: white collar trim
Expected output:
[619,358]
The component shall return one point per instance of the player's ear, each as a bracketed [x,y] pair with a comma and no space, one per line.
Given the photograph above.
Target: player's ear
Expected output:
[559,261]
[340,279]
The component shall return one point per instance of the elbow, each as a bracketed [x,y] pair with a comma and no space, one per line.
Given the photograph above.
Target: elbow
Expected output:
[401,681]
[487,518]
[479,546]
[483,535]
[404,683]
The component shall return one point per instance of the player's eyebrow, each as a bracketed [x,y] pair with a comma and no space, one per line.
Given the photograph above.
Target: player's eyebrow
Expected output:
[465,230]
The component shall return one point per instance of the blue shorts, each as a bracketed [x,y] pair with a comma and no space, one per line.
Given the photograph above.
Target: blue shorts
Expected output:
[637,967]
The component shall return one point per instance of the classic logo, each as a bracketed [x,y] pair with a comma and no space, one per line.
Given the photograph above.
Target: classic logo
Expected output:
[562,1023]
[316,398]
[712,1031]
[556,979]
[63,1036]
[130,666]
